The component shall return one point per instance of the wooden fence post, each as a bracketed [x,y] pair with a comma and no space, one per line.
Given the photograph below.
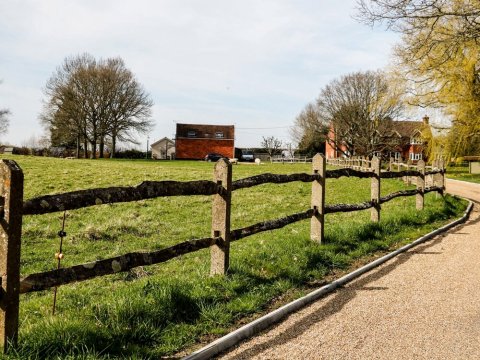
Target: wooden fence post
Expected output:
[317,223]
[375,190]
[438,179]
[441,177]
[220,253]
[420,197]
[11,178]
[409,167]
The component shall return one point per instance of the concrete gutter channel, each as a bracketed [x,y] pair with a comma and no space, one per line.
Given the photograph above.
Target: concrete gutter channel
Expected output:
[275,316]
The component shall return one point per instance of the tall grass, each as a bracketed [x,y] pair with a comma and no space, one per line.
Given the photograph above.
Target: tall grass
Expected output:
[164,309]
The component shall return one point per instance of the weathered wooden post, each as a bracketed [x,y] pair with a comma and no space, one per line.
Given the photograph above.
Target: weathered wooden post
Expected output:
[441,177]
[220,253]
[420,197]
[438,179]
[317,223]
[11,194]
[409,167]
[390,164]
[375,190]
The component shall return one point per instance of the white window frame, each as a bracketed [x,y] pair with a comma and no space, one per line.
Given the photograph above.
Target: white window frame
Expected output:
[416,156]
[219,135]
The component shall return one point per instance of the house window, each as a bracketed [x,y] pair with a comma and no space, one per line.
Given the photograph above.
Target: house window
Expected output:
[397,156]
[191,133]
[415,156]
[415,140]
[219,135]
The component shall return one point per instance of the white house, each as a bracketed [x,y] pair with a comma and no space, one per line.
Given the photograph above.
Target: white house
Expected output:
[163,149]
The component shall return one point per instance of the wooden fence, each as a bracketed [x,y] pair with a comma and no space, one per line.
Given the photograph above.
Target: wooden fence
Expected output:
[13,208]
[283,160]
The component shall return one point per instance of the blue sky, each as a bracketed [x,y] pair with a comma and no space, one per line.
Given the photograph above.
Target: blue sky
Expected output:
[254,64]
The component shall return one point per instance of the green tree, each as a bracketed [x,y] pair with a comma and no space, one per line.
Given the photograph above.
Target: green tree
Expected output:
[438,58]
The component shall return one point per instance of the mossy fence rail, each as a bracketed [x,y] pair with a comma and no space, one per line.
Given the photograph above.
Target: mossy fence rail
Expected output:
[13,208]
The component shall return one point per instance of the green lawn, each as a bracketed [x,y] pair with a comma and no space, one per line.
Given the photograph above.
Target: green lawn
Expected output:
[461,173]
[165,309]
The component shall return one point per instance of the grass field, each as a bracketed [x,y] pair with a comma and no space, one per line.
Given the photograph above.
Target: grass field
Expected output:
[166,309]
[461,173]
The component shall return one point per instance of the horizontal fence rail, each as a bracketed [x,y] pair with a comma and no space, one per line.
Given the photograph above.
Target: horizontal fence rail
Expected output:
[82,272]
[219,243]
[63,276]
[153,189]
[272,178]
[90,197]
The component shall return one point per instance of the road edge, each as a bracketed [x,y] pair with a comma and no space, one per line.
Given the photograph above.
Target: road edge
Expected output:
[275,316]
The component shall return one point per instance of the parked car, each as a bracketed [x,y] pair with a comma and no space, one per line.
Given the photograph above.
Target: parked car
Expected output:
[213,157]
[244,154]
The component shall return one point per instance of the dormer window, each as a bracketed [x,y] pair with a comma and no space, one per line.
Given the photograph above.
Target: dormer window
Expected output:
[415,140]
[191,133]
[219,135]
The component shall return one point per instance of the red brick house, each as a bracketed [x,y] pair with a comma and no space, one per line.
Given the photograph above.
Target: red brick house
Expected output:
[194,141]
[411,144]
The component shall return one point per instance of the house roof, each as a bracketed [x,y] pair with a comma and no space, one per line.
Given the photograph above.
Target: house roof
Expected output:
[407,128]
[165,139]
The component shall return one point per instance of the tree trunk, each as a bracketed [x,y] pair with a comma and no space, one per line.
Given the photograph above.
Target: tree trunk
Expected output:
[114,143]
[102,145]
[85,147]
[78,147]
[93,143]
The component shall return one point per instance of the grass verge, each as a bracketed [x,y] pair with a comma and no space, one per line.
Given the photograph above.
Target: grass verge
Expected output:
[462,173]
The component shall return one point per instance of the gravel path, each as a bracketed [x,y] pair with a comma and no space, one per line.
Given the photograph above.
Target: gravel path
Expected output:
[424,304]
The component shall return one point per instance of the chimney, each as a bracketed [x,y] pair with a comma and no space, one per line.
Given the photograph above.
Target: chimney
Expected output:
[425,120]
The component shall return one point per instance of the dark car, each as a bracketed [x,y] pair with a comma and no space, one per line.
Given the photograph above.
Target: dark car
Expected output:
[213,157]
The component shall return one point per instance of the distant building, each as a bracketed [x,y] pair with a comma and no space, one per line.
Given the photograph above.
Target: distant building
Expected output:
[194,141]
[6,149]
[411,144]
[163,149]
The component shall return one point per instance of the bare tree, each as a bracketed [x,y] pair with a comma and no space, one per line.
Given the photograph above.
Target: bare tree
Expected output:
[358,108]
[410,16]
[271,145]
[429,27]
[90,100]
[130,108]
[309,131]
[4,121]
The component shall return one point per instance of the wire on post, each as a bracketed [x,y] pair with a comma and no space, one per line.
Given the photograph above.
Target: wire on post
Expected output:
[59,257]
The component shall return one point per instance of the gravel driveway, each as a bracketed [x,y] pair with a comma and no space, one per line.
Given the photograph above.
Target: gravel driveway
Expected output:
[423,304]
